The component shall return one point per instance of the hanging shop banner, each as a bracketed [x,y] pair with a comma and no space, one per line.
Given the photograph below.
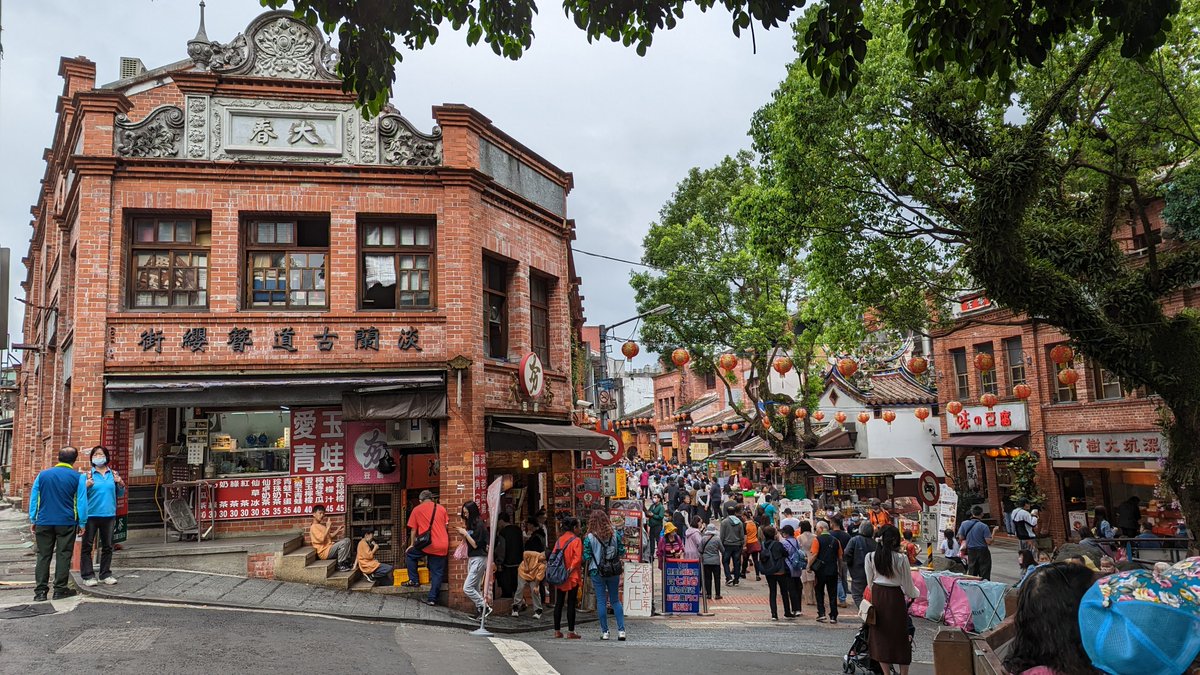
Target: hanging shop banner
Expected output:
[699,450]
[318,441]
[614,453]
[368,442]
[638,588]
[424,471]
[681,587]
[588,492]
[1147,445]
[947,509]
[622,483]
[275,497]
[479,482]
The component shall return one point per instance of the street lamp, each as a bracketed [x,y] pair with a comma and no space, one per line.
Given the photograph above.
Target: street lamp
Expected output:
[661,309]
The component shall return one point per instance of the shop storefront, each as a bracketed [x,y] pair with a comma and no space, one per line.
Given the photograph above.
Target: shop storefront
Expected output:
[978,442]
[1106,469]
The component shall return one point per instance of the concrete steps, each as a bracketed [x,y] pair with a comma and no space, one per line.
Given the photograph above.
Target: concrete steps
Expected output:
[301,565]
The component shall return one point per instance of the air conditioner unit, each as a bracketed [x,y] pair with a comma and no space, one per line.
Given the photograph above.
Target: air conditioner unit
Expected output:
[409,432]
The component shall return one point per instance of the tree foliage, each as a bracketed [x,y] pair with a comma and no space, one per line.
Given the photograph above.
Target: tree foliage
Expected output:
[988,39]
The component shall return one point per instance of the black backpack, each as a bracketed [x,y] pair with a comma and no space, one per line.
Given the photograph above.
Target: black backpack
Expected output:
[610,563]
[556,566]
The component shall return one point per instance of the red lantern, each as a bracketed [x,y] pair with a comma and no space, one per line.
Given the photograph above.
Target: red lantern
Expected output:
[917,365]
[735,426]
[989,400]
[1068,377]
[630,350]
[1022,391]
[818,415]
[889,416]
[801,413]
[680,357]
[782,365]
[725,426]
[922,413]
[766,422]
[847,367]
[993,452]
[984,361]
[727,362]
[784,410]
[1061,354]
[954,407]
[839,416]
[864,417]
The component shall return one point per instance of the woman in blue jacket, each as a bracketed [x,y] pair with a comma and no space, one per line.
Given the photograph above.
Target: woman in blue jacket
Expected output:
[103,487]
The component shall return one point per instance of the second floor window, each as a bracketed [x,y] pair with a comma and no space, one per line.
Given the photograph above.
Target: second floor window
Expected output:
[961,377]
[1014,358]
[495,308]
[286,263]
[170,263]
[397,265]
[1063,393]
[1107,385]
[539,317]
[987,378]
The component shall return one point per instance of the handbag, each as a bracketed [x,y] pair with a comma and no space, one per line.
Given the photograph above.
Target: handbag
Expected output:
[424,539]
[460,553]
[871,619]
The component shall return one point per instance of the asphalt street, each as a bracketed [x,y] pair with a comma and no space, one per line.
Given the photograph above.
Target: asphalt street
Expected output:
[133,638]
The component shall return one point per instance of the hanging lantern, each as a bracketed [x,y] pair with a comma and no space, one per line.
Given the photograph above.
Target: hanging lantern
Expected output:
[847,367]
[1022,391]
[922,413]
[993,452]
[917,365]
[727,362]
[782,365]
[984,362]
[766,422]
[784,410]
[889,416]
[954,407]
[630,349]
[818,415]
[735,426]
[989,400]
[1061,354]
[864,417]
[801,413]
[725,426]
[1068,377]
[839,416]
[680,357]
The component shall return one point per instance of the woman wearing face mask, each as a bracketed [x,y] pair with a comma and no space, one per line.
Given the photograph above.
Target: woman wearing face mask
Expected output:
[103,488]
[475,535]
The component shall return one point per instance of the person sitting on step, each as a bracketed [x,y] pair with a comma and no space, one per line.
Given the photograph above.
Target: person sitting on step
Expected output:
[321,533]
[379,572]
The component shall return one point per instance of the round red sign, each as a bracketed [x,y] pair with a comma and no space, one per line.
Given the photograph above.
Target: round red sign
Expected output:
[532,379]
[928,489]
[614,453]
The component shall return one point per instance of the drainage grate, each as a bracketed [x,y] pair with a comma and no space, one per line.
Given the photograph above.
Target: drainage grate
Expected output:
[107,640]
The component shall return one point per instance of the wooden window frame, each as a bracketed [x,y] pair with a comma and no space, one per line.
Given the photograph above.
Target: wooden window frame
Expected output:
[1057,388]
[396,251]
[536,306]
[1016,370]
[171,248]
[962,377]
[488,293]
[251,247]
[1098,384]
[988,382]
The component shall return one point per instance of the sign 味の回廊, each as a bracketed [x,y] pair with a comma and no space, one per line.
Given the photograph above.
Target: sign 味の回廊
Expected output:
[979,419]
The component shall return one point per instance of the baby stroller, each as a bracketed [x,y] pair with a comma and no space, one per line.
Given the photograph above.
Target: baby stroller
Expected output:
[858,660]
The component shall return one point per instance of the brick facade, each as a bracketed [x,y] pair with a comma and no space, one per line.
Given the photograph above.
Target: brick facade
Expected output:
[79,263]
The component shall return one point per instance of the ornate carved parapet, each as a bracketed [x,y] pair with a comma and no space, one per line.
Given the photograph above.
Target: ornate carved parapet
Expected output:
[275,44]
[402,145]
[160,134]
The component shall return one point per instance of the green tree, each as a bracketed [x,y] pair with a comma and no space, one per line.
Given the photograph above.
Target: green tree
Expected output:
[727,295]
[1022,196]
[987,38]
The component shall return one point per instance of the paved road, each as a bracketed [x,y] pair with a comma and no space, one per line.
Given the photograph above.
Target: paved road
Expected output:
[138,638]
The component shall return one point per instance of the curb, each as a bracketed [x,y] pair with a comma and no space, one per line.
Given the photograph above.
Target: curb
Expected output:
[94,591]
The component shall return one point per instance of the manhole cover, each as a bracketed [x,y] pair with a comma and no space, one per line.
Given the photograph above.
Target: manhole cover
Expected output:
[94,640]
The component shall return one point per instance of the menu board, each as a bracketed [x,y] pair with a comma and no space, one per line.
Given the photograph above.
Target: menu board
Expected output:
[631,532]
[564,497]
[588,492]
[275,497]
[681,587]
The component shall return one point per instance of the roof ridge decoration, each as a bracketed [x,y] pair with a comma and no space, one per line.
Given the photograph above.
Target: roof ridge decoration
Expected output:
[159,134]
[274,45]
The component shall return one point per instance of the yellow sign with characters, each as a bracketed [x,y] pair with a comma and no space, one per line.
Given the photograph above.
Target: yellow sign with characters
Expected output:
[622,484]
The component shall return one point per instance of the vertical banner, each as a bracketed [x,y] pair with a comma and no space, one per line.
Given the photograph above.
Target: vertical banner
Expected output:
[479,480]
[367,442]
[319,442]
[947,510]
[681,587]
[493,509]
[638,582]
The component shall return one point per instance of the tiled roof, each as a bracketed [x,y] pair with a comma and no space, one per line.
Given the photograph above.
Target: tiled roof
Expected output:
[699,403]
[720,417]
[644,411]
[889,387]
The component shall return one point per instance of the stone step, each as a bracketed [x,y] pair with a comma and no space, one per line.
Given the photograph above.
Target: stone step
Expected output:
[343,580]
[298,558]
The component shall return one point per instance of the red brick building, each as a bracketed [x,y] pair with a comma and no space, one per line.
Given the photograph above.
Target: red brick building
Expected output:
[233,276]
[1098,444]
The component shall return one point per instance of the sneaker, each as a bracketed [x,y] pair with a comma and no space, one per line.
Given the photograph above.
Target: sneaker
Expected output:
[110,581]
[487,611]
[604,635]
[574,636]
[774,618]
[558,633]
[514,613]
[620,636]
[67,593]
[821,619]
[833,621]
[347,568]
[40,596]
[431,603]
[537,613]
[407,584]
[90,581]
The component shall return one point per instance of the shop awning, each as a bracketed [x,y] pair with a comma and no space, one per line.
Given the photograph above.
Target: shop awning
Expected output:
[883,466]
[121,393]
[394,405]
[754,450]
[522,436]
[978,440]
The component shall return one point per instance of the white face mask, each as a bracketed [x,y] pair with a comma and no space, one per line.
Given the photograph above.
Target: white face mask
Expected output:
[99,461]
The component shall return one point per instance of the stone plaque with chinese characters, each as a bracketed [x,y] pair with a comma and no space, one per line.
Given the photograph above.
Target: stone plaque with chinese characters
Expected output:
[303,132]
[1147,445]
[979,419]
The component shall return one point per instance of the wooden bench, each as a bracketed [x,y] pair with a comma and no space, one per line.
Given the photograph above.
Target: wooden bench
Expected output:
[957,652]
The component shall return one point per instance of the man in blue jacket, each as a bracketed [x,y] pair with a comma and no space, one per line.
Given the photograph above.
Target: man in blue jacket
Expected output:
[57,511]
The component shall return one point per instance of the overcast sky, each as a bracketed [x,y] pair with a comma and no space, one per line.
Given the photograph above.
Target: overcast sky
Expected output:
[628,127]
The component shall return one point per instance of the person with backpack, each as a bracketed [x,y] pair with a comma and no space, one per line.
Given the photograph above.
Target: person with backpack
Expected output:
[733,538]
[603,552]
[563,572]
[104,486]
[773,563]
[1025,523]
[710,560]
[797,563]
[752,548]
[975,536]
[825,556]
[856,559]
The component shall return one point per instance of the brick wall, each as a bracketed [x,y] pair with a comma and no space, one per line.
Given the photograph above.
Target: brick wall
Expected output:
[261,565]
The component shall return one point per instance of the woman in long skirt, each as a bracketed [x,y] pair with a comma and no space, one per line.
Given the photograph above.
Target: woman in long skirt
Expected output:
[891,582]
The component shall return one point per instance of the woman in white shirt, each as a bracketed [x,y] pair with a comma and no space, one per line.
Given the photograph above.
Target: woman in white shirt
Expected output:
[891,582]
[950,548]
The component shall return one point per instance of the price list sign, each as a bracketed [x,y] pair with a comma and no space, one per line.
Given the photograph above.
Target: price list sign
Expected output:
[681,587]
[275,497]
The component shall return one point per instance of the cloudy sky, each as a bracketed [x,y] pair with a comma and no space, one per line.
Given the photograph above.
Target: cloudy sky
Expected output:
[628,127]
